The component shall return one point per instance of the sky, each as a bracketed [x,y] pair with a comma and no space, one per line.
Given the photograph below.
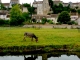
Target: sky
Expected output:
[31,1]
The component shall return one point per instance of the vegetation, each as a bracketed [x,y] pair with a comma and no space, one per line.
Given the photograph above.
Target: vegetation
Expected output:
[44,20]
[16,17]
[4,22]
[30,8]
[58,8]
[64,17]
[12,38]
[2,7]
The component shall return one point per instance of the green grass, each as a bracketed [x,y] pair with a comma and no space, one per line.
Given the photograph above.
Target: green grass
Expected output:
[13,36]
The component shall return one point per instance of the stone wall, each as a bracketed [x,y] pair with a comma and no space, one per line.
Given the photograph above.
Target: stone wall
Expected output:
[54,26]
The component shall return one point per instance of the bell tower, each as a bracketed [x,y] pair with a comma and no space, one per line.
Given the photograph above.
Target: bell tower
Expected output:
[46,7]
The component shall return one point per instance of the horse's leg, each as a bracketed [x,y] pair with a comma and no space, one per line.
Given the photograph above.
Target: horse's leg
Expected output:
[24,38]
[36,40]
[32,39]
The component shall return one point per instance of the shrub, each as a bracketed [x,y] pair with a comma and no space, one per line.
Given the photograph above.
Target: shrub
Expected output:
[44,20]
[72,22]
[64,17]
[50,21]
[4,22]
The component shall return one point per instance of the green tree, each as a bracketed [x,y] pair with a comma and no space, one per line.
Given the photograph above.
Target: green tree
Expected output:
[29,7]
[51,3]
[26,16]
[78,11]
[2,7]
[60,7]
[16,17]
[73,10]
[64,17]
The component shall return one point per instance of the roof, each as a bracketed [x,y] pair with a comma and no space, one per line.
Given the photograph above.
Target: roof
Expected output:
[44,16]
[14,0]
[3,12]
[37,2]
[6,4]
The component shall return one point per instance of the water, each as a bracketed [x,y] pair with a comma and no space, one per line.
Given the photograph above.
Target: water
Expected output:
[45,56]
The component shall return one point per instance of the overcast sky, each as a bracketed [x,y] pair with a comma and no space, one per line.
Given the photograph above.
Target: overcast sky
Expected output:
[30,1]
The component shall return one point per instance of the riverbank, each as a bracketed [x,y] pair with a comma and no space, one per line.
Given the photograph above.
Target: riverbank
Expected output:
[36,49]
[11,40]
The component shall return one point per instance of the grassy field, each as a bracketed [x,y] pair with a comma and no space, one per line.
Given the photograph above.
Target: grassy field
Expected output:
[13,36]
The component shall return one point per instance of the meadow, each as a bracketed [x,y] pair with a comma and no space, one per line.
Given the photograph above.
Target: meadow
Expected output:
[13,36]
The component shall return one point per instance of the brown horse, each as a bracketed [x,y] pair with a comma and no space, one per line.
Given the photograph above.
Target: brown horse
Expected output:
[31,35]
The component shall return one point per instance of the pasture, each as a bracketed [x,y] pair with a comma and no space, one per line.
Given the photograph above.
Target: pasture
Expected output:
[13,36]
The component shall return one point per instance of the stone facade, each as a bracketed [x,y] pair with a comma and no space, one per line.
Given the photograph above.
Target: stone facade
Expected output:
[46,7]
[42,7]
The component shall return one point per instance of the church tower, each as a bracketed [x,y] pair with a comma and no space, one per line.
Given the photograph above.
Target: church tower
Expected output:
[46,7]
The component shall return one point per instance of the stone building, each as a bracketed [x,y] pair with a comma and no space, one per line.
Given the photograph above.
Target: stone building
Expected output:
[46,7]
[42,7]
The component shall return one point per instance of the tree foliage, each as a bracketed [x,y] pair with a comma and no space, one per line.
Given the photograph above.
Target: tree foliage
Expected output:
[64,17]
[44,20]
[26,16]
[29,7]
[78,11]
[2,7]
[16,16]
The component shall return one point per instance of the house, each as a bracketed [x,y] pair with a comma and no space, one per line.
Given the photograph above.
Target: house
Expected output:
[6,5]
[39,18]
[4,15]
[78,21]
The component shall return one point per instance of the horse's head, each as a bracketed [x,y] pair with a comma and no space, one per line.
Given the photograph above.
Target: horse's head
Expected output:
[36,39]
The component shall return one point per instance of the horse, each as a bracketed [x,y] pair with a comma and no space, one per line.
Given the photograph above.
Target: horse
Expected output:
[31,35]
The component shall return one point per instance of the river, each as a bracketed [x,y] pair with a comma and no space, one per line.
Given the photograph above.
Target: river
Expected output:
[44,56]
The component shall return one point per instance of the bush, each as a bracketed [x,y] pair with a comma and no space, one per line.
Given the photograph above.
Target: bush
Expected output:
[4,22]
[64,17]
[44,20]
[50,21]
[72,22]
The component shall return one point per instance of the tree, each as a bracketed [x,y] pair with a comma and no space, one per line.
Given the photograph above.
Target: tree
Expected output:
[30,8]
[2,7]
[73,10]
[64,17]
[78,11]
[26,15]
[16,17]
[51,3]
